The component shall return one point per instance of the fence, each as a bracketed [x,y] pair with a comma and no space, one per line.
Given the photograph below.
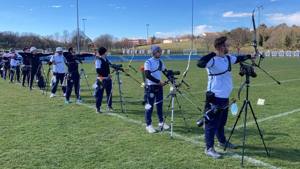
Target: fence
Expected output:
[282,53]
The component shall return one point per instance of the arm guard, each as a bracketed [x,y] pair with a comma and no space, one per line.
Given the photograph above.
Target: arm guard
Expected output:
[205,59]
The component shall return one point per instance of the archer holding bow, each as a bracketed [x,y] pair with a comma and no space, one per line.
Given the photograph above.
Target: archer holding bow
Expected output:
[218,66]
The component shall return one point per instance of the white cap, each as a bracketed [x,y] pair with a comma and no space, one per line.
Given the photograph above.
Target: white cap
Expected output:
[59,49]
[32,49]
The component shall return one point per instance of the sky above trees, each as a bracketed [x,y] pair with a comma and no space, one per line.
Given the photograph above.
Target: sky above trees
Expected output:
[128,18]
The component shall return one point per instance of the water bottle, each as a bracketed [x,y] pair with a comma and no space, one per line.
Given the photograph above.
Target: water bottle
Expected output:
[234,109]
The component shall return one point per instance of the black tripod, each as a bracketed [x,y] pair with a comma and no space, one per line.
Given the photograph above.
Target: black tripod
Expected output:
[245,106]
[82,73]
[122,103]
[47,80]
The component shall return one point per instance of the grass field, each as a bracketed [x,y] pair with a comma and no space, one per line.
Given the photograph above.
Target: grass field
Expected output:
[39,132]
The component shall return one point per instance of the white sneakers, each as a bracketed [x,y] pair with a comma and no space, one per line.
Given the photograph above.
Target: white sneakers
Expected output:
[212,153]
[150,129]
[52,95]
[164,126]
[98,111]
[109,109]
[79,101]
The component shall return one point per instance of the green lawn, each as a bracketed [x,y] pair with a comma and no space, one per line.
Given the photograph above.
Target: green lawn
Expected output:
[39,132]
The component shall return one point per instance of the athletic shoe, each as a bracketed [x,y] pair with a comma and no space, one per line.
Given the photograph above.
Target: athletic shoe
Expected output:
[98,111]
[79,101]
[109,109]
[229,145]
[211,152]
[52,95]
[150,129]
[67,102]
[164,126]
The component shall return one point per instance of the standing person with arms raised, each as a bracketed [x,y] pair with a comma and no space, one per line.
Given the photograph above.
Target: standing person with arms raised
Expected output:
[13,64]
[58,62]
[35,66]
[219,88]
[73,77]
[6,64]
[26,66]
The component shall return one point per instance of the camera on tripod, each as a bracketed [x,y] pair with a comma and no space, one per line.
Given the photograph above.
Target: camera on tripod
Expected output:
[170,74]
[247,70]
[117,67]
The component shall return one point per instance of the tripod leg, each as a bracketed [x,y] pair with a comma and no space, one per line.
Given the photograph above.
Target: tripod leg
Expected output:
[43,74]
[112,86]
[172,116]
[183,115]
[169,105]
[261,136]
[47,79]
[244,135]
[120,92]
[236,121]
[165,117]
[87,82]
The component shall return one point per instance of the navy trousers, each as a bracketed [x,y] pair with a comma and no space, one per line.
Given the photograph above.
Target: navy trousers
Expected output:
[18,72]
[26,74]
[6,68]
[12,73]
[215,126]
[34,72]
[107,86]
[154,93]
[59,79]
[73,80]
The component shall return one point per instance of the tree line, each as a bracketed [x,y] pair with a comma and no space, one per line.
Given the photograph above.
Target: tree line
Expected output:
[282,37]
[276,37]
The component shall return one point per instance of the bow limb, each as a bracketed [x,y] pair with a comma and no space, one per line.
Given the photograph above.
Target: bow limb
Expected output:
[186,71]
[130,61]
[254,37]
[257,53]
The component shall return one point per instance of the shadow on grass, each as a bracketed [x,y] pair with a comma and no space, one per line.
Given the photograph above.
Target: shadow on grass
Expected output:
[282,153]
[286,154]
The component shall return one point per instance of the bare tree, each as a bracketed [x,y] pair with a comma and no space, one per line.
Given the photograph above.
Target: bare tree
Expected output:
[66,37]
[239,37]
[105,40]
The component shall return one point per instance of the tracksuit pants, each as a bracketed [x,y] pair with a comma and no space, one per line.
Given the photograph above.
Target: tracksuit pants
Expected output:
[73,80]
[59,79]
[215,126]
[107,85]
[26,74]
[154,93]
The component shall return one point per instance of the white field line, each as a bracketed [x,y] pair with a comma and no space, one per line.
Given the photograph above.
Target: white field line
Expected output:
[190,140]
[230,154]
[269,118]
[259,84]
